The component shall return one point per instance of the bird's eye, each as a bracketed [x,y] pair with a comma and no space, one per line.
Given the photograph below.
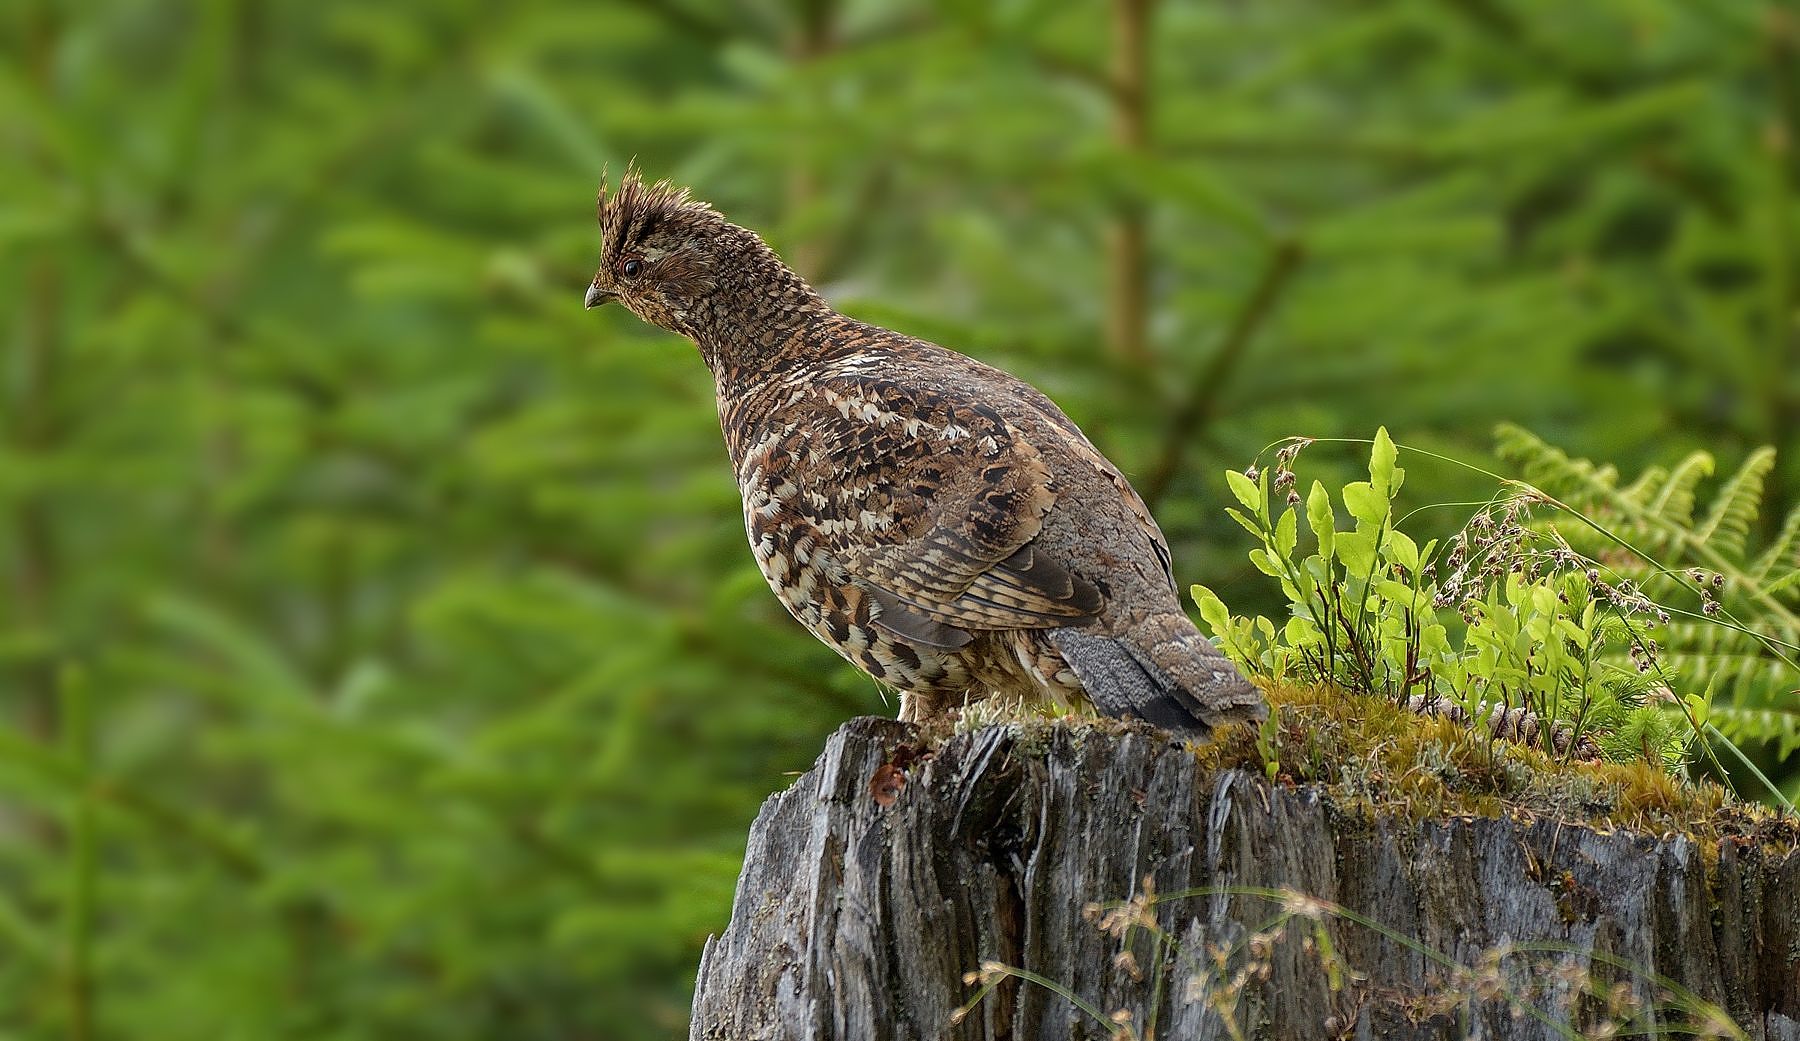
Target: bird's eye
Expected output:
[631,268]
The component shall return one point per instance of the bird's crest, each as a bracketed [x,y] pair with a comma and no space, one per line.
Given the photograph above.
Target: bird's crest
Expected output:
[636,209]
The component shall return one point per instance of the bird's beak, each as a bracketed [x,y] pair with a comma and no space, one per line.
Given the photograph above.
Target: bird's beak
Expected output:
[597,296]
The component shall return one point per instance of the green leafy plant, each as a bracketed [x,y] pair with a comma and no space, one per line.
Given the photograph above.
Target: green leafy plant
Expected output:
[1268,750]
[1520,633]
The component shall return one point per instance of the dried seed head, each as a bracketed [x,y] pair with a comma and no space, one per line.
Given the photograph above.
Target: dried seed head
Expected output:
[1127,962]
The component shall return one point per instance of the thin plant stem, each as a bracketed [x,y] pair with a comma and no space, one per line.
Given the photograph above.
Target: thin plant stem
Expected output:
[1060,990]
[1713,732]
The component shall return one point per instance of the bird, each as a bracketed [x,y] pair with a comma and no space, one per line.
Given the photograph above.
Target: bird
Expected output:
[940,524]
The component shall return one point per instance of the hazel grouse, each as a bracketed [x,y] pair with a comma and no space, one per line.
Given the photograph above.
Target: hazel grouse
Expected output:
[937,522]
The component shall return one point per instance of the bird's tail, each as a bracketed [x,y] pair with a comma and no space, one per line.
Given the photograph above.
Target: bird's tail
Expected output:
[1160,670]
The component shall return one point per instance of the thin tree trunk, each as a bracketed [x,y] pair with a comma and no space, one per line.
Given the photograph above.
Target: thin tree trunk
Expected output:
[35,555]
[813,39]
[1128,266]
[1781,51]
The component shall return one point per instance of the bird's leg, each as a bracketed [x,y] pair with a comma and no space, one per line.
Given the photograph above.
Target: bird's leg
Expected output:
[918,707]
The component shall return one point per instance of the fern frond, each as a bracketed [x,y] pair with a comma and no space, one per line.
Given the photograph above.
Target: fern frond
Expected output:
[1674,502]
[1645,531]
[1642,490]
[1549,467]
[1780,725]
[1782,553]
[1746,679]
[1701,637]
[1727,525]
[1645,540]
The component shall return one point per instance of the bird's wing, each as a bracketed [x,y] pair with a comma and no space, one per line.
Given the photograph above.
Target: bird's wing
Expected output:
[1078,446]
[931,502]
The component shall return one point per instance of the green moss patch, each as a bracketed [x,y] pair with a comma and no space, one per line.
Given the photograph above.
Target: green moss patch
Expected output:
[1370,752]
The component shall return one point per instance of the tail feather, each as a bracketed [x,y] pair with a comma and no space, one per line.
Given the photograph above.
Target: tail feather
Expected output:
[1161,670]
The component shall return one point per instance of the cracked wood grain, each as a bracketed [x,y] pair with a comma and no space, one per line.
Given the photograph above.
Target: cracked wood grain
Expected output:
[858,921]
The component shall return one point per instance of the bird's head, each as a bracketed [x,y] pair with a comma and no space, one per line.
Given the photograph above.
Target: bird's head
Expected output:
[660,251]
[675,262]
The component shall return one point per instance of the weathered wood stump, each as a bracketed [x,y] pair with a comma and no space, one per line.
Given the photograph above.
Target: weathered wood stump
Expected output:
[863,910]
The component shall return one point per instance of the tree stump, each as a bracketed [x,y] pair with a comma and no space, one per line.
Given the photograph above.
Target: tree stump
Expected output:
[877,888]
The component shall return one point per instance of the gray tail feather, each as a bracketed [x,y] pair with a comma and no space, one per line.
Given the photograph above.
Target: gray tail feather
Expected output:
[1162,671]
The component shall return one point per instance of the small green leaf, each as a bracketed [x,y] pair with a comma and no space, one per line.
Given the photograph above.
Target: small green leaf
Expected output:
[1260,558]
[1381,463]
[1300,631]
[1321,518]
[1366,504]
[1403,594]
[1247,524]
[1309,586]
[1286,534]
[1212,609]
[1357,550]
[1246,491]
[1402,550]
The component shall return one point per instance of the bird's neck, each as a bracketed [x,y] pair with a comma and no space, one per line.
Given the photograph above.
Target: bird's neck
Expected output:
[756,317]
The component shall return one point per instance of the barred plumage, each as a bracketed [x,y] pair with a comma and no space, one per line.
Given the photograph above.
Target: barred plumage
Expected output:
[937,522]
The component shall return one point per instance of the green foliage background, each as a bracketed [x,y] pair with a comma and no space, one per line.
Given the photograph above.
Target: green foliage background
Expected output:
[379,654]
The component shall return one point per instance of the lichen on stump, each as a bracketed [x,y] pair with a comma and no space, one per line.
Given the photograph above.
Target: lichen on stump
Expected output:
[876,888]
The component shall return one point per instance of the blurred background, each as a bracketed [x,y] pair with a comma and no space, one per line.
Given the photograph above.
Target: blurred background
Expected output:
[379,651]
